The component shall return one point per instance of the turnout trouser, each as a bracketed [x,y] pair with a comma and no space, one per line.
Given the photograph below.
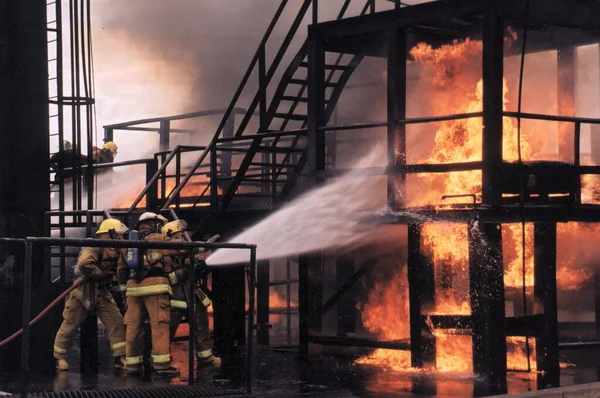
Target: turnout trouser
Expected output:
[202,337]
[75,313]
[157,309]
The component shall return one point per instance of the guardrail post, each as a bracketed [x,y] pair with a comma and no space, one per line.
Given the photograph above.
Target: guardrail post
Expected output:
[316,104]
[315,11]
[214,187]
[192,320]
[26,318]
[152,194]
[250,334]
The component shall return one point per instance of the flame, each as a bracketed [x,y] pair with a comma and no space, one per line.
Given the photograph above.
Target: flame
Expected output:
[452,76]
[195,187]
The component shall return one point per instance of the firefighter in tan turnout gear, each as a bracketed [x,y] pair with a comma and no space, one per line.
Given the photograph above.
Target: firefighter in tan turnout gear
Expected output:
[148,295]
[97,266]
[175,266]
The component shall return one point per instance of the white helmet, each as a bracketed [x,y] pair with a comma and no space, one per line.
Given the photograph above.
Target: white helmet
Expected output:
[148,216]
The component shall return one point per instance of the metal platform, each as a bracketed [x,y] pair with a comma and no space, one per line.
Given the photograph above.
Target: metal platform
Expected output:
[171,391]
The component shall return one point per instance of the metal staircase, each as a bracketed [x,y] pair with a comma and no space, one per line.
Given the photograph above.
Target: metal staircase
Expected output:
[256,168]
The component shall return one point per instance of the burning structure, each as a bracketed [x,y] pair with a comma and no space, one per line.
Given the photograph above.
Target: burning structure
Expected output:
[486,183]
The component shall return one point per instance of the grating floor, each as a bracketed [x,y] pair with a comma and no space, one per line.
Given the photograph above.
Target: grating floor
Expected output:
[158,392]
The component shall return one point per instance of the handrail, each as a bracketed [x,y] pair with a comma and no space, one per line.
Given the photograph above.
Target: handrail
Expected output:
[552,118]
[155,177]
[190,115]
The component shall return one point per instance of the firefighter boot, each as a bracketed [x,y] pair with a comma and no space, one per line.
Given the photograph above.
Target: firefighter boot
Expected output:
[167,372]
[62,365]
[211,361]
[120,362]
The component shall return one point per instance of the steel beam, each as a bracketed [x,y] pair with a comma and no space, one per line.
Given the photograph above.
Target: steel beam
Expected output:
[396,110]
[544,291]
[486,276]
[310,299]
[262,302]
[349,283]
[420,292]
[493,72]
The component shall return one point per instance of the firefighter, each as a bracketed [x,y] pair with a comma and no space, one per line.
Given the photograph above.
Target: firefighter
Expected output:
[148,295]
[97,265]
[106,154]
[175,265]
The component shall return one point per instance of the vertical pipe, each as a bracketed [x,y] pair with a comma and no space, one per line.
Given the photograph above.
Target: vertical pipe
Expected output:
[288,275]
[493,69]
[577,162]
[214,193]
[544,291]
[109,135]
[26,319]
[310,302]
[192,319]
[372,6]
[262,102]
[315,11]
[262,302]
[346,310]
[396,110]
[250,325]
[597,301]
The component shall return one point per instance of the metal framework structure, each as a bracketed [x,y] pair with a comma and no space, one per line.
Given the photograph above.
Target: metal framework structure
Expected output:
[255,165]
[392,34]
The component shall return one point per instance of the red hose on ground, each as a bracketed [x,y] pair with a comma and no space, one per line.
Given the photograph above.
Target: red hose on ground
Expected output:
[44,312]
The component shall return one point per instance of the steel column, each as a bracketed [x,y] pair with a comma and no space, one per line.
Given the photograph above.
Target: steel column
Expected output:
[316,104]
[26,316]
[262,302]
[420,292]
[597,301]
[493,69]
[346,308]
[396,110]
[544,291]
[310,299]
[566,99]
[152,194]
[486,276]
[164,133]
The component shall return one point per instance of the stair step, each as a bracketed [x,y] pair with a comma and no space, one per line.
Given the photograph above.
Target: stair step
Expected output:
[293,99]
[292,116]
[271,165]
[261,182]
[330,67]
[279,150]
[302,82]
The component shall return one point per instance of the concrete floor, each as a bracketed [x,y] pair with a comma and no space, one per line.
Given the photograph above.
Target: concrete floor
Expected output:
[280,373]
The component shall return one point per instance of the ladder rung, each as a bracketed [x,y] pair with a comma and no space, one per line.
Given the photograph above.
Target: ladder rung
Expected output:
[52,41]
[51,22]
[52,59]
[291,116]
[52,29]
[51,116]
[52,78]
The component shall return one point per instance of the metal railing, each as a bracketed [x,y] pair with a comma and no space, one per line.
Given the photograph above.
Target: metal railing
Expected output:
[30,242]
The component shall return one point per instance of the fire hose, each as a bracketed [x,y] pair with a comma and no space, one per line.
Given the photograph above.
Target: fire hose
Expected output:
[44,311]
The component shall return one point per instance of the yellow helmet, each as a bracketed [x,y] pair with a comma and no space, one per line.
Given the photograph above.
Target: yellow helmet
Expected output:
[147,216]
[111,224]
[111,146]
[173,227]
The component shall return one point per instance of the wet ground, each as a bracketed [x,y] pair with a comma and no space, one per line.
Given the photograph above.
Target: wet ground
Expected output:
[278,372]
